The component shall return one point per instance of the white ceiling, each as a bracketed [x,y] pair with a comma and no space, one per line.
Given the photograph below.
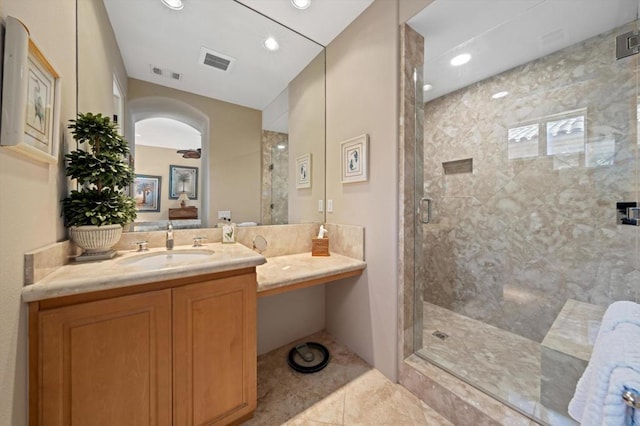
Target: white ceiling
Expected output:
[151,35]
[167,133]
[502,34]
[321,22]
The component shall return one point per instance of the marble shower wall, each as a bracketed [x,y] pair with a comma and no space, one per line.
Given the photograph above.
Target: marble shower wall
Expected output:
[512,241]
[275,178]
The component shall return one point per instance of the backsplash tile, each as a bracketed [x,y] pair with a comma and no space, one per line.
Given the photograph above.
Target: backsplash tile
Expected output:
[43,261]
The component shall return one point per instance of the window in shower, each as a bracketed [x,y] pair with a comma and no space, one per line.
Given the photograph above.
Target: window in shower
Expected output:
[565,140]
[565,136]
[523,141]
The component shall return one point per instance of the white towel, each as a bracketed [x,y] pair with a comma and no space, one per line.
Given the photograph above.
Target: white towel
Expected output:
[618,313]
[614,367]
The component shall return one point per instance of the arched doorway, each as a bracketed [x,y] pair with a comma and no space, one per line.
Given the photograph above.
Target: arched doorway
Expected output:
[162,107]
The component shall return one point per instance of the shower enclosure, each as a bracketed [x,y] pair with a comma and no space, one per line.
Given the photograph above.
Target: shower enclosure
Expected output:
[275,169]
[523,176]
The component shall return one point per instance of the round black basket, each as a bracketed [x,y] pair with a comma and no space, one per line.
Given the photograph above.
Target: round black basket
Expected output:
[309,357]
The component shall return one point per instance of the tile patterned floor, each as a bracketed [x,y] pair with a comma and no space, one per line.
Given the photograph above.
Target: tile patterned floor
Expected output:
[501,363]
[347,392]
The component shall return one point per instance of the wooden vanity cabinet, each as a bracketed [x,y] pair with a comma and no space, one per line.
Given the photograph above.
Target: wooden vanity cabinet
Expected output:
[215,351]
[179,352]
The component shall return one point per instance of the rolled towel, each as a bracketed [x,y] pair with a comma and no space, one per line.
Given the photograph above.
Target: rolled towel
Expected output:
[614,368]
[618,313]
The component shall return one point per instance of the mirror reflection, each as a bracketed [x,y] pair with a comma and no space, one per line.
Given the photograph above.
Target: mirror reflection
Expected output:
[198,89]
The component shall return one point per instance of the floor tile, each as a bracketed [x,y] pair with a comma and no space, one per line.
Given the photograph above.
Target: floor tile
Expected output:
[347,392]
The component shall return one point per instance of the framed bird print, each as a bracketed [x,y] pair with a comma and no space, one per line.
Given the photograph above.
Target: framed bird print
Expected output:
[353,153]
[30,97]
[303,171]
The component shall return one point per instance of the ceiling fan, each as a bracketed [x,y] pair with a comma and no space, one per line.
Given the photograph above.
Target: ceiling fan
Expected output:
[190,153]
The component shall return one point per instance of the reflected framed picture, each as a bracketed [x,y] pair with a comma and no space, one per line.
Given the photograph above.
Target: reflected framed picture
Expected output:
[147,192]
[183,179]
[30,97]
[303,171]
[353,154]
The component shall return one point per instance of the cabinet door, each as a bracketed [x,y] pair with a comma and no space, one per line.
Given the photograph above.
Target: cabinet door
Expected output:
[107,362]
[214,351]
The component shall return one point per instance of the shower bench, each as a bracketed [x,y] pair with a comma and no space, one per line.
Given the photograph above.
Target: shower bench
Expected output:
[565,352]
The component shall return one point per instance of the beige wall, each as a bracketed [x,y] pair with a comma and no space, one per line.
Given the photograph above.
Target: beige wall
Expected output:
[362,82]
[29,199]
[290,316]
[360,99]
[99,60]
[307,135]
[155,161]
[234,150]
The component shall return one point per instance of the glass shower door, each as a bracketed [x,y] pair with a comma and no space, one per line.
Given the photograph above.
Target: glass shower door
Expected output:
[525,169]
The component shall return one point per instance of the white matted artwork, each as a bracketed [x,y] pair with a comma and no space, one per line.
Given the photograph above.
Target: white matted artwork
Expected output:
[30,97]
[303,171]
[353,154]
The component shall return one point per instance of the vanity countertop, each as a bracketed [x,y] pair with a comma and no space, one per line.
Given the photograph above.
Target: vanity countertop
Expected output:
[274,275]
[285,273]
[86,277]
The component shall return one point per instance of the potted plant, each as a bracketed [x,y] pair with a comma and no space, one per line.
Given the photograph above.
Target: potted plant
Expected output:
[97,211]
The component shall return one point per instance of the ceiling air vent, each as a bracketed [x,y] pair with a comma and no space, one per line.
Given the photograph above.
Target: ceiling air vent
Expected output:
[215,59]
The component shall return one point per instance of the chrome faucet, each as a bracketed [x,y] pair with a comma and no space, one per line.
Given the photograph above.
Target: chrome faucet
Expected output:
[169,236]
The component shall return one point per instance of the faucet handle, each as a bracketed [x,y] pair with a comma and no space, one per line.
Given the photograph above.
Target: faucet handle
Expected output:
[142,245]
[197,241]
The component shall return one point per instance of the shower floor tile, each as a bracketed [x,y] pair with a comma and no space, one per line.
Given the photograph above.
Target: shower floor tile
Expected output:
[503,364]
[347,392]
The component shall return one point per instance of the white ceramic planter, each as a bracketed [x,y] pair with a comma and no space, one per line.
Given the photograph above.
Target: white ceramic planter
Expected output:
[95,239]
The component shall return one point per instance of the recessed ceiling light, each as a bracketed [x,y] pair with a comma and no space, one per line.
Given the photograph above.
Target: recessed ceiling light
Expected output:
[301,4]
[271,44]
[173,4]
[499,95]
[460,59]
[427,87]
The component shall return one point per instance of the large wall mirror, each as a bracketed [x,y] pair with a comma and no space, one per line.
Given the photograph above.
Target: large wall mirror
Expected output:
[218,124]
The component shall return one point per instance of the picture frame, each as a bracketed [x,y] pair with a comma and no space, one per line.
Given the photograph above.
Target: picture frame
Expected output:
[183,179]
[30,97]
[303,171]
[146,191]
[354,159]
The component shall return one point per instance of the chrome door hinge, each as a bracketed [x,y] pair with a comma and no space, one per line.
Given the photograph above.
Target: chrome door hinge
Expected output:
[627,44]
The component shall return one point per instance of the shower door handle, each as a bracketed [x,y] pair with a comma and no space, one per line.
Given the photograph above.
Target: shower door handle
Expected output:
[425,207]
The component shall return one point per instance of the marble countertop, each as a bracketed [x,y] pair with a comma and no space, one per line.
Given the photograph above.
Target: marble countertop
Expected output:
[295,268]
[272,273]
[86,277]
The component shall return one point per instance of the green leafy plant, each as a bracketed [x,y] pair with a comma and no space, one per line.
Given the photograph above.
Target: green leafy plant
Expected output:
[102,174]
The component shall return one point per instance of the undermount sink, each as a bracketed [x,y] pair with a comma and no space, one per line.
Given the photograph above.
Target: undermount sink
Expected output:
[167,259]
